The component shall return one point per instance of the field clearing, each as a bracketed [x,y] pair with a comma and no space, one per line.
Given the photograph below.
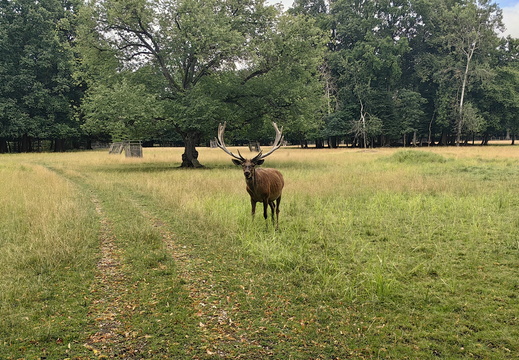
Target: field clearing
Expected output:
[381,254]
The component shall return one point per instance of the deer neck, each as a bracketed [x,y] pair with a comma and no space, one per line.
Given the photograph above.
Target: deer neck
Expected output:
[253,180]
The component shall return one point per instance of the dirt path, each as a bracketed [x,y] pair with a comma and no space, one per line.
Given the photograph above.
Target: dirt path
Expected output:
[108,298]
[109,306]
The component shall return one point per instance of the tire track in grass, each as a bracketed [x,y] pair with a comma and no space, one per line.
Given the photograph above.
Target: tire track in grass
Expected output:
[110,336]
[188,267]
[108,289]
[215,313]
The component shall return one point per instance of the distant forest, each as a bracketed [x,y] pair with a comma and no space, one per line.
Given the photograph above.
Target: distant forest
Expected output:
[362,73]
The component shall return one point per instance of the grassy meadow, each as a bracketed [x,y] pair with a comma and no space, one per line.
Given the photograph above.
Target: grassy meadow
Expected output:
[381,254]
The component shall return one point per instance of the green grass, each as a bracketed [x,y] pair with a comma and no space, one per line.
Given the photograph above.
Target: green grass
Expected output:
[390,254]
[417,157]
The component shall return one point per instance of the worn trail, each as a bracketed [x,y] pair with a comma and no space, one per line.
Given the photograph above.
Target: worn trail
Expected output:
[108,290]
[113,303]
[215,319]
[110,334]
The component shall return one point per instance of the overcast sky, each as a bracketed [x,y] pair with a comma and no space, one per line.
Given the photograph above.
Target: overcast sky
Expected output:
[510,13]
[510,16]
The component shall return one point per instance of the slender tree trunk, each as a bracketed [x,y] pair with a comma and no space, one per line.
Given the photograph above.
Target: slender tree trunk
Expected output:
[469,55]
[332,142]
[429,138]
[363,122]
[190,155]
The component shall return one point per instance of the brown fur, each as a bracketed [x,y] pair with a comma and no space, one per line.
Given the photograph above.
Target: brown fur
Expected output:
[265,186]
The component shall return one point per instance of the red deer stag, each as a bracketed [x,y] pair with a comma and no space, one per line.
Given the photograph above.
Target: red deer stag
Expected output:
[263,185]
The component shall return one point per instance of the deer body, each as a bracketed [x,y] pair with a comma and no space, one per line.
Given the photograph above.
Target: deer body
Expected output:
[266,186]
[263,185]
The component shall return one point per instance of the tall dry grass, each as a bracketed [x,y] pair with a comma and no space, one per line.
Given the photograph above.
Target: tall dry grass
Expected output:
[48,246]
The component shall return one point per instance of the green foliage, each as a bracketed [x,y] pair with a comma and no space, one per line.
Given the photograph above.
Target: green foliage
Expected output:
[408,107]
[124,110]
[286,88]
[37,92]
[368,63]
[175,42]
[359,69]
[499,99]
[211,61]
[406,63]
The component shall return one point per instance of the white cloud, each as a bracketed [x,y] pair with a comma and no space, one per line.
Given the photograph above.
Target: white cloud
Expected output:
[511,20]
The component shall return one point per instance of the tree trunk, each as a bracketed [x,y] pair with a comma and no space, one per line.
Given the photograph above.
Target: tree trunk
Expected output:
[59,145]
[3,146]
[443,139]
[363,120]
[25,143]
[190,155]
[332,142]
[485,139]
[459,125]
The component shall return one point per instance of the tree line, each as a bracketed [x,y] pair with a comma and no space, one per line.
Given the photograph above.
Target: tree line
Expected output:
[366,73]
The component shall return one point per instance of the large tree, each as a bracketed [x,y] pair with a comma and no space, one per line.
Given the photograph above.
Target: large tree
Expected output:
[37,91]
[407,66]
[369,41]
[201,58]
[451,54]
[469,35]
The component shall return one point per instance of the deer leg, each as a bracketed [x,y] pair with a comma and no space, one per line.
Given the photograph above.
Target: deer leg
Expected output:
[253,204]
[278,201]
[265,206]
[272,210]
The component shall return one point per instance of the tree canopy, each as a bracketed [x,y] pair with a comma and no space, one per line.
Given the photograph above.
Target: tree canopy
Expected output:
[197,63]
[369,73]
[37,91]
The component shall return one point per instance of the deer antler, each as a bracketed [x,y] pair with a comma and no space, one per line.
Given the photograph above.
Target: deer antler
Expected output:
[275,146]
[221,144]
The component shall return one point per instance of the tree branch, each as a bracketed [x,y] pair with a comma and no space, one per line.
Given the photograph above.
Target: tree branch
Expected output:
[254,74]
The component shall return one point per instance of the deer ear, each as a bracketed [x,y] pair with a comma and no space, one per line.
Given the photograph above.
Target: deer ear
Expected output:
[236,162]
[259,162]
